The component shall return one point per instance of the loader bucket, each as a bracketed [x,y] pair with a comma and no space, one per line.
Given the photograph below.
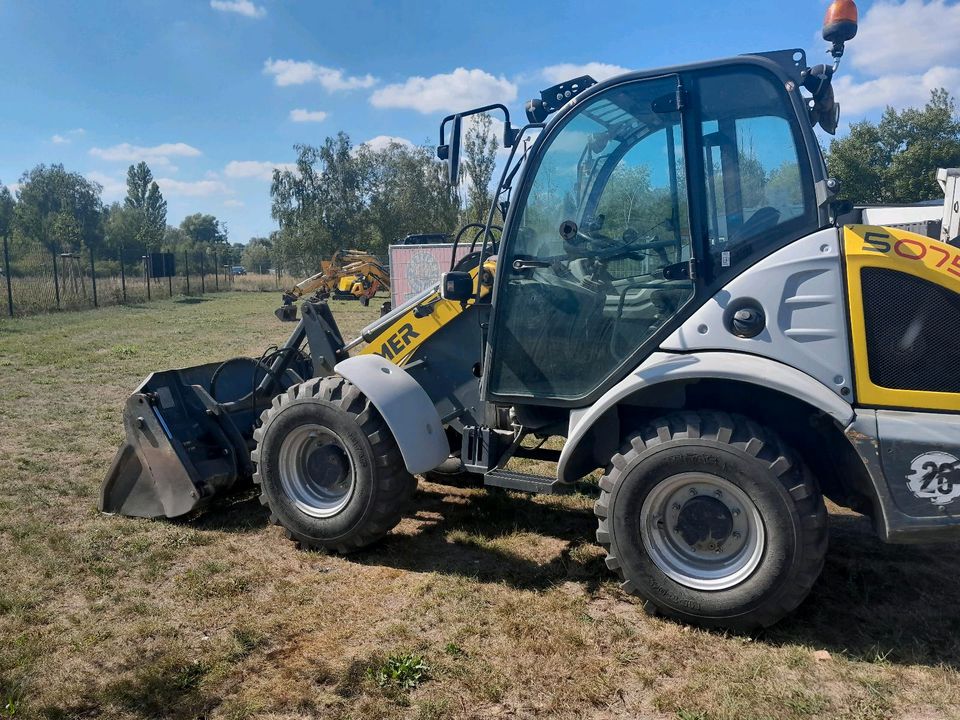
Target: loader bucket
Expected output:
[189,432]
[182,446]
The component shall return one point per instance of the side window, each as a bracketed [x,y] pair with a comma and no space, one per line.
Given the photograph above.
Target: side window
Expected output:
[756,194]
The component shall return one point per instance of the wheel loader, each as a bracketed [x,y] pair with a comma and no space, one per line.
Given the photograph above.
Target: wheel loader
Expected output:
[680,292]
[348,275]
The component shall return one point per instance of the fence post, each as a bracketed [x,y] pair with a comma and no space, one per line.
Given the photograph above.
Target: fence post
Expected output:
[203,285]
[186,269]
[170,282]
[56,278]
[123,275]
[146,273]
[6,265]
[93,279]
[216,270]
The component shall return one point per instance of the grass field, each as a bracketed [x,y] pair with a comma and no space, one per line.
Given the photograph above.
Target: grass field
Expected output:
[479,605]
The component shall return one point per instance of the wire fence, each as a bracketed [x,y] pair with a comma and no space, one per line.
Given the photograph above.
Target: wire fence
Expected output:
[37,279]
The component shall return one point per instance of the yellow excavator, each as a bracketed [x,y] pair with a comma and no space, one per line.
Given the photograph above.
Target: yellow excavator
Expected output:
[348,274]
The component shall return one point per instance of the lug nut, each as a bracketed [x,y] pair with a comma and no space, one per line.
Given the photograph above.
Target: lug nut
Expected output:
[719,493]
[693,491]
[735,511]
[676,506]
[736,534]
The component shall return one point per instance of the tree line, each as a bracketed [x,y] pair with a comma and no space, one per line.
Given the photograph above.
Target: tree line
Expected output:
[341,195]
[62,212]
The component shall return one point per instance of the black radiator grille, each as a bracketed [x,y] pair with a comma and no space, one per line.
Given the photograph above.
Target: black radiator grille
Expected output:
[913,331]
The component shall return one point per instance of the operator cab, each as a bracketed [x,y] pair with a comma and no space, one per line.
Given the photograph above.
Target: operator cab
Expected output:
[644,196]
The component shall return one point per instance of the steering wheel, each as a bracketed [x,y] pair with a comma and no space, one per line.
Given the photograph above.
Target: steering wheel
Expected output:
[578,244]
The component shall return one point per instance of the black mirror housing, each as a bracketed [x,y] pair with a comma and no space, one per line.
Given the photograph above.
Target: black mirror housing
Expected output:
[453,152]
[456,285]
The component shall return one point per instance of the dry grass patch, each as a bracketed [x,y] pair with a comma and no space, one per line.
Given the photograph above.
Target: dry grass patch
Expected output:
[505,598]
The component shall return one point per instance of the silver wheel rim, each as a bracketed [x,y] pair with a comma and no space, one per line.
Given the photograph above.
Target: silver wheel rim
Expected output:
[702,531]
[316,471]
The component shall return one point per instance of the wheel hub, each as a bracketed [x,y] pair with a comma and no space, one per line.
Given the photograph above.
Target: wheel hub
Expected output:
[316,471]
[702,531]
[705,523]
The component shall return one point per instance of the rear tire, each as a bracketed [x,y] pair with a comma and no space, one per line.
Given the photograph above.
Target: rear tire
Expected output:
[329,468]
[712,520]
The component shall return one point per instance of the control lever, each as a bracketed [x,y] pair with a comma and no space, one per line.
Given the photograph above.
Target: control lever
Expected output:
[520,265]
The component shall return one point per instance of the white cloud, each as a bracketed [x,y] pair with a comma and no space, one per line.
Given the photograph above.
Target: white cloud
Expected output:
[13,188]
[905,38]
[157,155]
[899,91]
[382,142]
[196,188]
[232,202]
[256,169]
[58,139]
[296,72]
[113,188]
[301,115]
[458,90]
[241,7]
[567,71]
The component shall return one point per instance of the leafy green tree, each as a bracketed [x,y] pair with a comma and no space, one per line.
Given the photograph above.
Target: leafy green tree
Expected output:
[60,209]
[320,204]
[479,160]
[258,255]
[407,192]
[122,227]
[7,206]
[895,160]
[144,197]
[203,229]
[176,240]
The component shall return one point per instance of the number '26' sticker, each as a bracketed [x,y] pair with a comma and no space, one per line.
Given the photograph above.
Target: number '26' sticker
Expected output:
[935,476]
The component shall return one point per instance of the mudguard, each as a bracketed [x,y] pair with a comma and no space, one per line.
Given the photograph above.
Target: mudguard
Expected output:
[663,367]
[404,405]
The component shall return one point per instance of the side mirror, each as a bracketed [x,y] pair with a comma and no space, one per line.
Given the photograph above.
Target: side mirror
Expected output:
[453,152]
[456,285]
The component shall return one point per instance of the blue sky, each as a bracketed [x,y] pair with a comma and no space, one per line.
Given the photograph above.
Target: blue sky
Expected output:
[214,93]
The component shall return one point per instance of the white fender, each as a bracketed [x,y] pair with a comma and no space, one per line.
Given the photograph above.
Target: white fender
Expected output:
[663,367]
[406,407]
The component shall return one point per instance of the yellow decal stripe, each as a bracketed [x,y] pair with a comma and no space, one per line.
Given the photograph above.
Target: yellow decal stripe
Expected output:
[400,341]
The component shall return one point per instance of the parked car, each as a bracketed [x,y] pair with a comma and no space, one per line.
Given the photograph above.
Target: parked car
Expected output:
[425,239]
[239,270]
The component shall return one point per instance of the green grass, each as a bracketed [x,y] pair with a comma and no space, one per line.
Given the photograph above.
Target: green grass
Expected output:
[504,597]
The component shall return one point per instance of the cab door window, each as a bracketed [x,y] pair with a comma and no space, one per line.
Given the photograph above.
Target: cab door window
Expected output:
[757,197]
[597,263]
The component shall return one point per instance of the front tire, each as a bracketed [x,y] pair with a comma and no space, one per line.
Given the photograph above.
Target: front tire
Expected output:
[329,468]
[712,520]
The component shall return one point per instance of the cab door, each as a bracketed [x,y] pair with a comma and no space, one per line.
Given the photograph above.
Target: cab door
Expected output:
[597,254]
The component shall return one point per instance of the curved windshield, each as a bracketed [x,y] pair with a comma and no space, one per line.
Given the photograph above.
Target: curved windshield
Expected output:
[598,260]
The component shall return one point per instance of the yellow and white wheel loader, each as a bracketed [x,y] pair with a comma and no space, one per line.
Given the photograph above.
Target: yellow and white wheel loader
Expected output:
[680,292]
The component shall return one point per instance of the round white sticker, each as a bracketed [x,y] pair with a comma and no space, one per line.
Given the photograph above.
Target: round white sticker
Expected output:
[935,476]
[423,271]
